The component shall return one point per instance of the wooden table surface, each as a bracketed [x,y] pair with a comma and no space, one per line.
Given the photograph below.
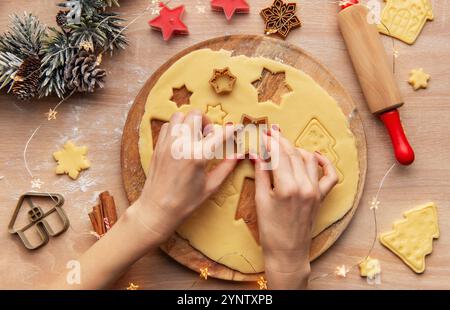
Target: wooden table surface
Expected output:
[97,120]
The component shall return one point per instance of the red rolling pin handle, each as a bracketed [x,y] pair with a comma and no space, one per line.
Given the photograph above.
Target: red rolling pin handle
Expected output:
[403,150]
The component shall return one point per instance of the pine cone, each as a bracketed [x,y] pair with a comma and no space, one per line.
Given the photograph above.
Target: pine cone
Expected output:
[26,80]
[61,18]
[83,73]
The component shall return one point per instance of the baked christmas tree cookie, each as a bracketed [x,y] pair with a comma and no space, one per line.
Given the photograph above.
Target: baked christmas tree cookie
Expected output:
[412,237]
[404,19]
[306,114]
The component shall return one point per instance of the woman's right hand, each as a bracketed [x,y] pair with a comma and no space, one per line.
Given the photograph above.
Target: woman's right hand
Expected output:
[287,207]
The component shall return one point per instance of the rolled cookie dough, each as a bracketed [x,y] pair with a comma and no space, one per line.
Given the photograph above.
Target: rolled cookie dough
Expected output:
[308,117]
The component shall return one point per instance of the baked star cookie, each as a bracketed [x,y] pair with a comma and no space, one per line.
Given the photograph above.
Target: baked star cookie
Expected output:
[405,19]
[418,79]
[412,237]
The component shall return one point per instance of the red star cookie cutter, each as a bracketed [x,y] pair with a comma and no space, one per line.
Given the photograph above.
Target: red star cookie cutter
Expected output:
[169,21]
[229,7]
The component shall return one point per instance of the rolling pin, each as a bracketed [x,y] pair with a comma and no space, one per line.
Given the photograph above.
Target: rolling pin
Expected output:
[375,74]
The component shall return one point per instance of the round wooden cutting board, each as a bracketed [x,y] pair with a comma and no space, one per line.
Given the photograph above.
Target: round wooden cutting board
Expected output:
[252,46]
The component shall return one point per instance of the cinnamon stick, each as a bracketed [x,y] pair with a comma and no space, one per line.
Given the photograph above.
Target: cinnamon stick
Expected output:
[109,207]
[99,218]
[104,212]
[93,222]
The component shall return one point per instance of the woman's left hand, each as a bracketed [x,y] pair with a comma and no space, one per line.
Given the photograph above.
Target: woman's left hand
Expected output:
[175,187]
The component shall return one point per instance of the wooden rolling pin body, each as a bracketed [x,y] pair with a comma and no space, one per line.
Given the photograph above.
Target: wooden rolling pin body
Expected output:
[369,60]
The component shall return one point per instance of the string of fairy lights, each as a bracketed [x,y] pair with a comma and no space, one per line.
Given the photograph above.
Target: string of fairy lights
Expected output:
[153,8]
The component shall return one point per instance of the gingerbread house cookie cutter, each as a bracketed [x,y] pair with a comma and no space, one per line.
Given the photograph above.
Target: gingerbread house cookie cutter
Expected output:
[37,219]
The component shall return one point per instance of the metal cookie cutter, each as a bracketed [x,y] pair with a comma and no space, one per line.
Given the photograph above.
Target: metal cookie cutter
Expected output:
[36,217]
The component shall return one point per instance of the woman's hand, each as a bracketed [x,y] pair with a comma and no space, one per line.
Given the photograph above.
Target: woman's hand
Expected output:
[286,210]
[176,187]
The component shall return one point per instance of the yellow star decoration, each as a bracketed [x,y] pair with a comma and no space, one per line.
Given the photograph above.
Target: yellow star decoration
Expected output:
[216,114]
[418,79]
[204,273]
[132,287]
[341,271]
[51,114]
[71,160]
[262,283]
[370,268]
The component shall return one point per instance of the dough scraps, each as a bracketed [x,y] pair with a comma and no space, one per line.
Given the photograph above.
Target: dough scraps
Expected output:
[307,115]
[71,160]
[412,237]
[404,19]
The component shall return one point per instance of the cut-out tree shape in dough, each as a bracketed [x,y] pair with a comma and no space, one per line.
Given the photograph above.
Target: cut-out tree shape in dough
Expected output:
[181,96]
[227,189]
[316,138]
[247,207]
[271,86]
[216,114]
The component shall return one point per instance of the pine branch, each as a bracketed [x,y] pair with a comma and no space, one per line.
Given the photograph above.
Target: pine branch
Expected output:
[111,25]
[24,37]
[58,52]
[87,31]
[9,64]
[103,30]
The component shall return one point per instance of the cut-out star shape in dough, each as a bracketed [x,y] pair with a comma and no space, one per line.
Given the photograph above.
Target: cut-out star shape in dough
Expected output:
[222,81]
[169,21]
[271,86]
[230,7]
[216,114]
[71,160]
[418,79]
[181,96]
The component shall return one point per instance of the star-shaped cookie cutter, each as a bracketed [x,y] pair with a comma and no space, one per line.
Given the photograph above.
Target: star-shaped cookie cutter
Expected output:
[36,217]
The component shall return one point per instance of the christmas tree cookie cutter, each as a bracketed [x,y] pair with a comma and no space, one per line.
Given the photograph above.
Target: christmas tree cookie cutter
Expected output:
[37,218]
